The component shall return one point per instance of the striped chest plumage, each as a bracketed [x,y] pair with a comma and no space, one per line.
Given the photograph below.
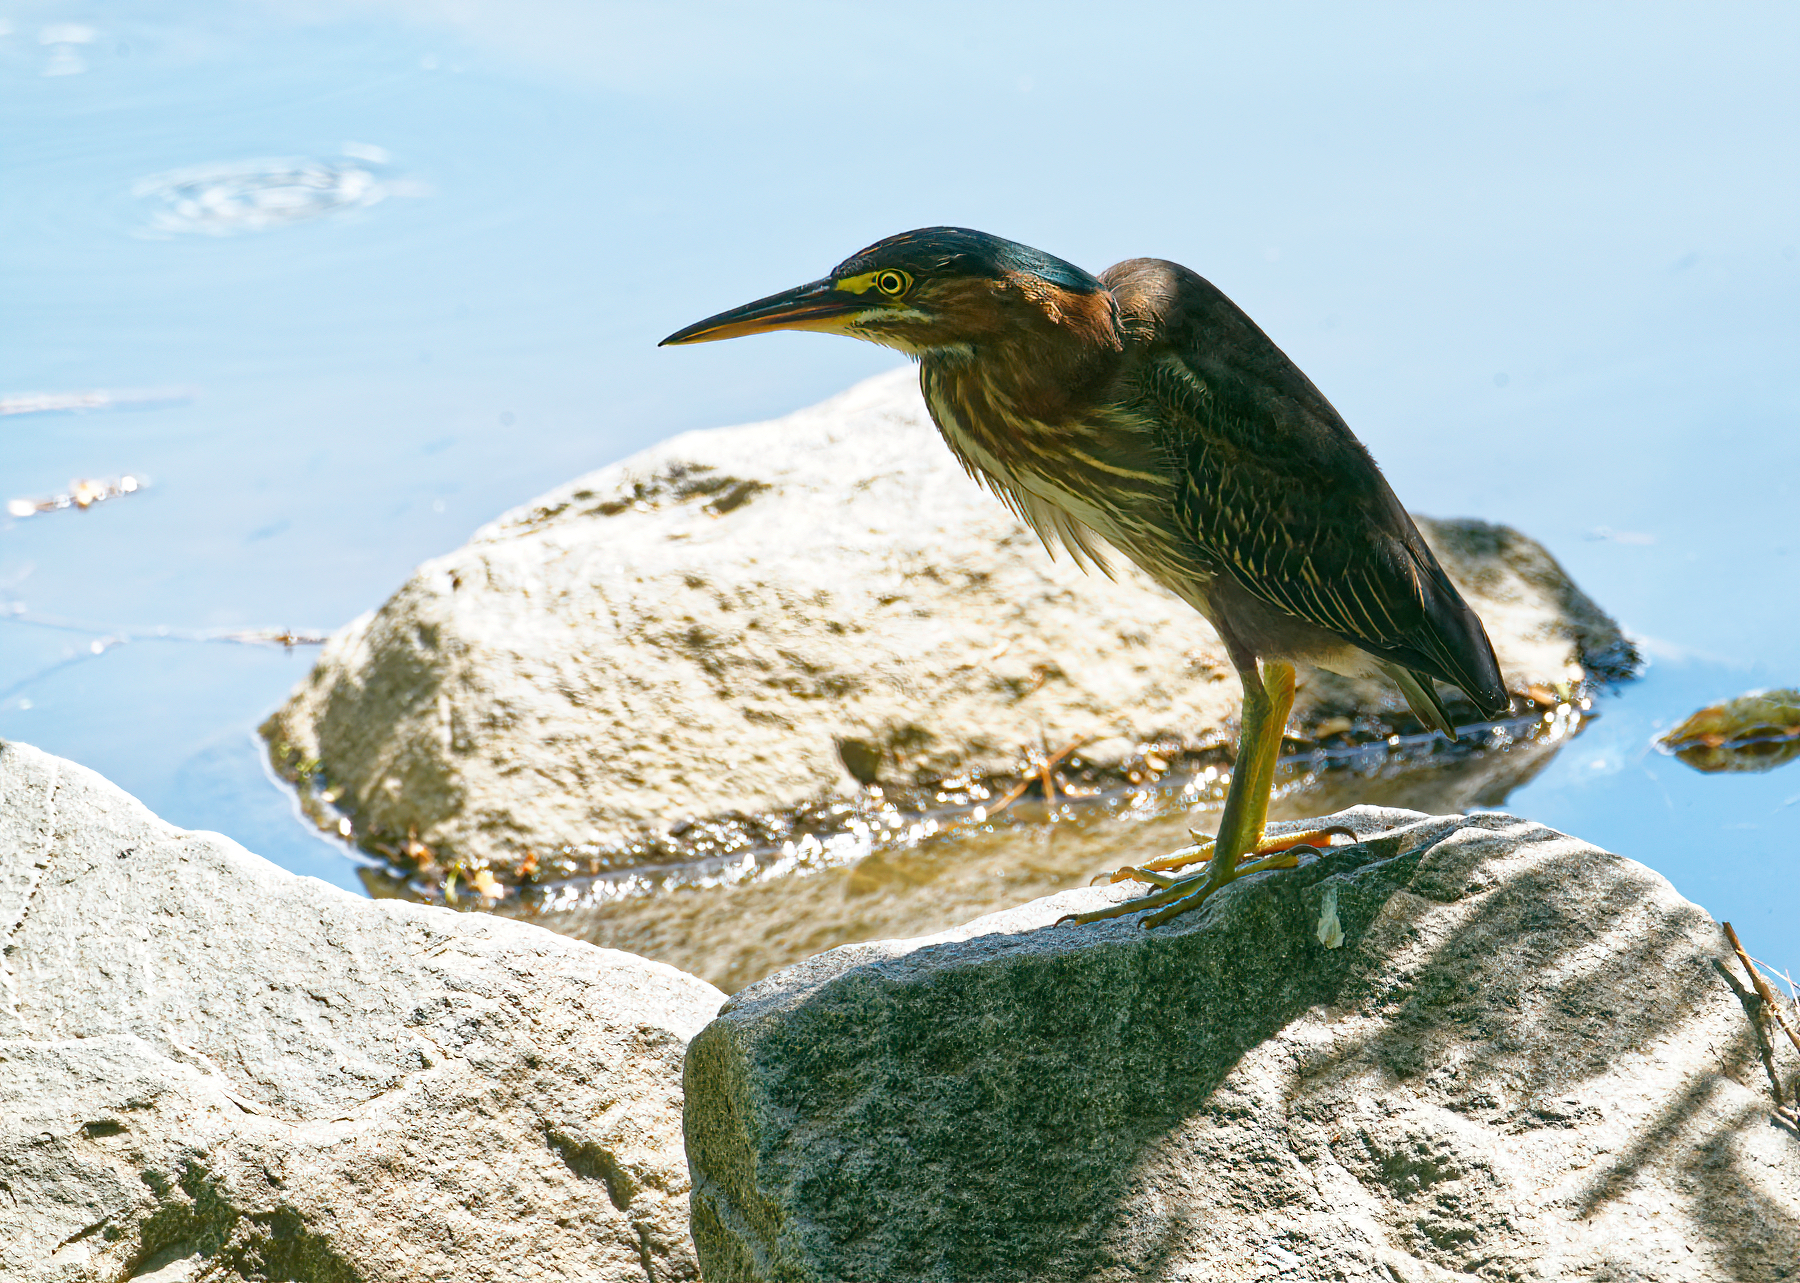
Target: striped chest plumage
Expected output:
[1104,473]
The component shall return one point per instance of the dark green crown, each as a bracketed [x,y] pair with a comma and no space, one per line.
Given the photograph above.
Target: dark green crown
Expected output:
[960,251]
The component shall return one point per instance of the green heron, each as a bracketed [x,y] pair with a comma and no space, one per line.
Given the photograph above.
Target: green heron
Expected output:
[1143,410]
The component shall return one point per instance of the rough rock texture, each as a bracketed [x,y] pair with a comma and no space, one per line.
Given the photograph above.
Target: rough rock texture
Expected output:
[1519,1061]
[212,1069]
[748,620]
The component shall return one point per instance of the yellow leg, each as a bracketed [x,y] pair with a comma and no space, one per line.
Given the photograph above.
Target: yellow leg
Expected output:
[1268,700]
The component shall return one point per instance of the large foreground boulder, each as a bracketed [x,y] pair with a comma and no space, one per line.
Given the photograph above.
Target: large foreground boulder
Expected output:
[1462,1047]
[737,625]
[212,1069]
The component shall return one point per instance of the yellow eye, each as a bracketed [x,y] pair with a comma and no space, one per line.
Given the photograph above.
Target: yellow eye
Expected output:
[892,283]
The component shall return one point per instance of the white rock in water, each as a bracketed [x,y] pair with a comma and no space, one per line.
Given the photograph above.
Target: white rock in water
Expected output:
[210,1068]
[748,620]
[1526,1059]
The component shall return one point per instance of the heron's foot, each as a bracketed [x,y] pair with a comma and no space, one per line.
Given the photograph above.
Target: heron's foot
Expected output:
[1174,896]
[1177,896]
[1174,891]
[1156,871]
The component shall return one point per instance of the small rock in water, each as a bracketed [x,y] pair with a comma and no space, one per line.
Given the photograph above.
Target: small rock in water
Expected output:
[739,634]
[1754,732]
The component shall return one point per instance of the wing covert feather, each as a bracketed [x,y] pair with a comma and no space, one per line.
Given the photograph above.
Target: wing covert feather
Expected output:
[1278,492]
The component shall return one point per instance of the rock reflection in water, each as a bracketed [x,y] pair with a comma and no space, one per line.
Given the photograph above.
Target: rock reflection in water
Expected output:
[735,922]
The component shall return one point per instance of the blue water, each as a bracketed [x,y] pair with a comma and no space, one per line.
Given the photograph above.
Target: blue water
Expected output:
[1543,259]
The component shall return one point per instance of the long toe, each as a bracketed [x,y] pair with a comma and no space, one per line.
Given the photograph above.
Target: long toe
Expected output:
[1315,838]
[1135,873]
[1199,853]
[1168,895]
[1202,851]
[1177,896]
[1186,904]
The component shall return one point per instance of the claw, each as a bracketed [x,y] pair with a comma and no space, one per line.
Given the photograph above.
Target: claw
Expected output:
[1201,890]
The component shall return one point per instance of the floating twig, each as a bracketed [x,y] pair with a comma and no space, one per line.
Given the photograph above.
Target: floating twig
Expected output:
[83,492]
[1045,774]
[107,637]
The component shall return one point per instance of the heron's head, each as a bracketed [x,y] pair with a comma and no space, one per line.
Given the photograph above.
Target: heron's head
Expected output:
[936,290]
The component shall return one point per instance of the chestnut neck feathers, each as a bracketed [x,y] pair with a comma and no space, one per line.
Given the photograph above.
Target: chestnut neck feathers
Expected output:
[1046,351]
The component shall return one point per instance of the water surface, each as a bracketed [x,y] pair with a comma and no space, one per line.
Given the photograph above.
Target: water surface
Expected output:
[356,277]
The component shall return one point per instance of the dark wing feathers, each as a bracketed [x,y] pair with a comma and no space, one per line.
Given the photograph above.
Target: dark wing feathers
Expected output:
[1280,494]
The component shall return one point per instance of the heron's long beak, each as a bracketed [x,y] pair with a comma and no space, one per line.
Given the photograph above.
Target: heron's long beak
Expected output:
[816,306]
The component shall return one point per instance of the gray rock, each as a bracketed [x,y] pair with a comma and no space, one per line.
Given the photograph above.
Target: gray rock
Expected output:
[740,623]
[1464,1047]
[212,1069]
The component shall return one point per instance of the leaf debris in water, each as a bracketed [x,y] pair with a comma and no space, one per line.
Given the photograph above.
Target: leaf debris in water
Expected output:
[1754,732]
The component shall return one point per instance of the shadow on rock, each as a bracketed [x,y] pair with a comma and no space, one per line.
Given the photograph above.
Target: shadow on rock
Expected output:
[1520,1061]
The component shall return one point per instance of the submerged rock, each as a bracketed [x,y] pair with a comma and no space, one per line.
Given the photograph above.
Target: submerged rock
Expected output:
[1754,732]
[739,629]
[212,1069]
[1463,1047]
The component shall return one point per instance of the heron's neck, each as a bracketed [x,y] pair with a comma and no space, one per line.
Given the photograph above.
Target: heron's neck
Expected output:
[1047,364]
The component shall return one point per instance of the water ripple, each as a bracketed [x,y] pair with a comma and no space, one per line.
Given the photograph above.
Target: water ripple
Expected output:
[257,195]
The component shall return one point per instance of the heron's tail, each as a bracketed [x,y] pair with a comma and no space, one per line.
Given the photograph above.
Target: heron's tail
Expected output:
[1421,697]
